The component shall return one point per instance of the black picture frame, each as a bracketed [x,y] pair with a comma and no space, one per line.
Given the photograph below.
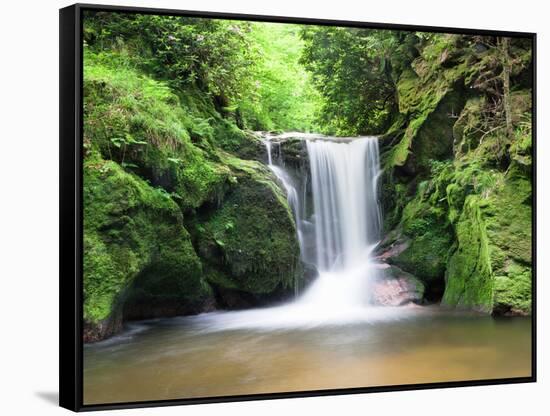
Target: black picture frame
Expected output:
[71,209]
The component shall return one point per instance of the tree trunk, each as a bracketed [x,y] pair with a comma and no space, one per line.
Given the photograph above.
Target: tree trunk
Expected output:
[506,69]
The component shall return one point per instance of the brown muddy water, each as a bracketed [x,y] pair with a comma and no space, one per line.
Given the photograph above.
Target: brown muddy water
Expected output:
[191,357]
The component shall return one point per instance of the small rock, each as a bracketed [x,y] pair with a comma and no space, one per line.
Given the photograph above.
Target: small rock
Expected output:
[395,287]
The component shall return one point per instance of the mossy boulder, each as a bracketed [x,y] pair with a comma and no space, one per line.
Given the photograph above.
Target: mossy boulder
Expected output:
[132,230]
[508,223]
[428,103]
[159,162]
[469,275]
[244,144]
[424,239]
[491,267]
[249,242]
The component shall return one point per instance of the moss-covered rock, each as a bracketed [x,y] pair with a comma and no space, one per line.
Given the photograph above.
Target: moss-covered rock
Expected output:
[249,241]
[491,268]
[245,145]
[421,245]
[159,162]
[508,224]
[428,101]
[469,275]
[456,187]
[132,230]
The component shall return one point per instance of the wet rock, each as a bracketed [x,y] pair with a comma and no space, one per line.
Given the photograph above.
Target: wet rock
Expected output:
[97,331]
[395,287]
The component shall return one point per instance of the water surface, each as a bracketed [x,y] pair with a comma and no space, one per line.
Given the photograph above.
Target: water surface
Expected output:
[190,357]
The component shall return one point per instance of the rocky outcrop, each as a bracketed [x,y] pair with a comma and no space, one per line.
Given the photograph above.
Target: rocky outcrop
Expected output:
[491,268]
[450,172]
[132,231]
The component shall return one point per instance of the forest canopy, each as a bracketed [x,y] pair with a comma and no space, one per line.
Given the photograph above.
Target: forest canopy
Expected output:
[266,76]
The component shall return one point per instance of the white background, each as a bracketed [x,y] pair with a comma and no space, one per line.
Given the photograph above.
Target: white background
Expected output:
[29,206]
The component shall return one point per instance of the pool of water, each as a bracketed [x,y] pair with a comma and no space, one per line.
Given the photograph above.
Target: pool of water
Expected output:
[212,355]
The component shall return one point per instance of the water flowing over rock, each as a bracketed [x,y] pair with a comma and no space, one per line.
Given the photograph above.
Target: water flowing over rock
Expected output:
[338,219]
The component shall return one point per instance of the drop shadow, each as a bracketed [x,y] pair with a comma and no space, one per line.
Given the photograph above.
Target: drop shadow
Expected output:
[52,397]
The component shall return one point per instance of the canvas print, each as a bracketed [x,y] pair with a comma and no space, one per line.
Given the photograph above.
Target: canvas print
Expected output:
[277,207]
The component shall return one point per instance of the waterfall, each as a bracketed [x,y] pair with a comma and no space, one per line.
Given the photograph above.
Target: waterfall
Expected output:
[346,216]
[345,199]
[347,220]
[346,223]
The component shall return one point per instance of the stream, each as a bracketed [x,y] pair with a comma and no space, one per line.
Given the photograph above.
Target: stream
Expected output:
[189,357]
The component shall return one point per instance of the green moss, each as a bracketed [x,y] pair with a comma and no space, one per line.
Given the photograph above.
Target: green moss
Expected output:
[394,199]
[508,219]
[466,128]
[103,278]
[131,228]
[430,240]
[153,155]
[250,240]
[521,147]
[166,138]
[459,187]
[513,290]
[230,138]
[426,99]
[469,275]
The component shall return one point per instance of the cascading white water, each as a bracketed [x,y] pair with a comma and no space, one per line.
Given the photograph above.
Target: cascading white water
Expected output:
[345,197]
[347,220]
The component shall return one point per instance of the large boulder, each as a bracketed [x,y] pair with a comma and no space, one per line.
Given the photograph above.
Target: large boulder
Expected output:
[248,242]
[136,249]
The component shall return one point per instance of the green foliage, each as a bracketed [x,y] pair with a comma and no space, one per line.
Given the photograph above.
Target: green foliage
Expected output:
[284,97]
[140,123]
[210,54]
[249,71]
[352,68]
